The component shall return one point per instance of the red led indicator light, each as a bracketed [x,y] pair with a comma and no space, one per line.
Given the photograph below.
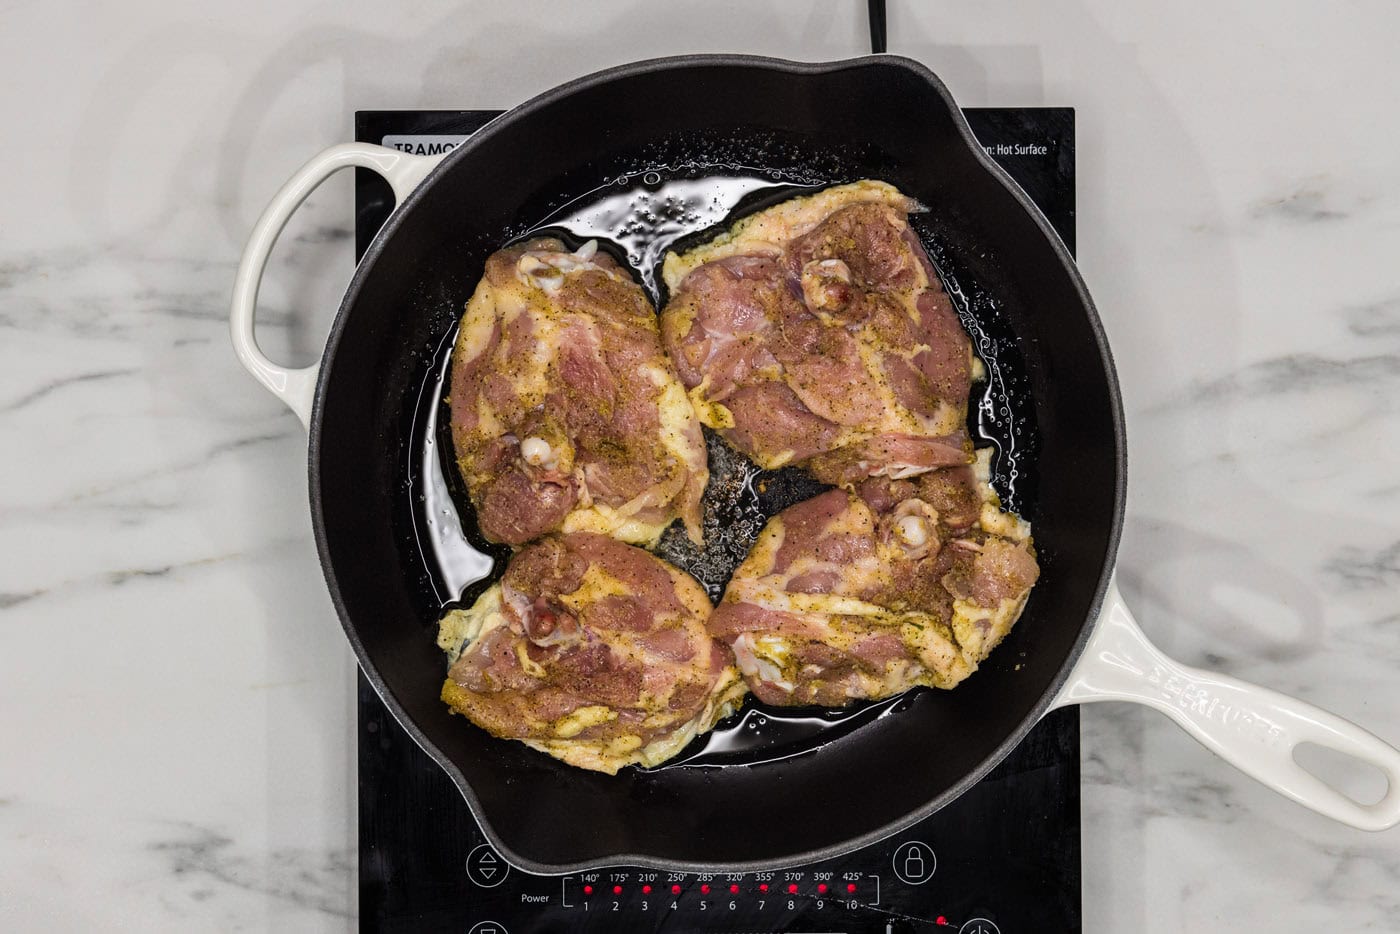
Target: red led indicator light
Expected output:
[821,887]
[705,889]
[646,890]
[617,890]
[792,887]
[588,890]
[763,887]
[850,886]
[733,890]
[675,890]
[941,920]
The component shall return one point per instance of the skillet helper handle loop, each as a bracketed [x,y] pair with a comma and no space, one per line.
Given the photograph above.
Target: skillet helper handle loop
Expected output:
[296,386]
[1253,728]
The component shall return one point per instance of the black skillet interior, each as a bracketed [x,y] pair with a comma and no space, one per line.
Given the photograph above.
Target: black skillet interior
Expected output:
[880,117]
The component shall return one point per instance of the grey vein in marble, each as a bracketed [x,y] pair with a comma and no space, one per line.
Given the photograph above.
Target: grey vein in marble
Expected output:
[325,233]
[211,453]
[119,577]
[1295,374]
[60,288]
[9,599]
[1309,203]
[1375,319]
[53,386]
[1354,567]
[199,856]
[1298,373]
[1367,873]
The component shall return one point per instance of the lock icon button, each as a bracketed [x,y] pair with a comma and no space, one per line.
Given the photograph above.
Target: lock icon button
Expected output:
[914,862]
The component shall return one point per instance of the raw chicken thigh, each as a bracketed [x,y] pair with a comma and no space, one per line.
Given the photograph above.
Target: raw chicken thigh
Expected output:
[816,333]
[592,651]
[565,413]
[846,596]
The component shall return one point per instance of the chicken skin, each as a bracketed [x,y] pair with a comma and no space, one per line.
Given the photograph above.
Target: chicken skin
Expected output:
[592,651]
[565,413]
[851,596]
[815,333]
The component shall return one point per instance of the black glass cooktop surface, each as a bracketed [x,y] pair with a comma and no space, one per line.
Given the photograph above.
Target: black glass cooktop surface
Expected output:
[1002,858]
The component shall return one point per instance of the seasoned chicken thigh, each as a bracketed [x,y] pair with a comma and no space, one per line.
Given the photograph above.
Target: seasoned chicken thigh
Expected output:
[816,333]
[592,651]
[565,413]
[846,596]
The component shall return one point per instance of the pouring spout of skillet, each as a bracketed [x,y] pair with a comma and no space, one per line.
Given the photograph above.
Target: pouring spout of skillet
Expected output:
[885,118]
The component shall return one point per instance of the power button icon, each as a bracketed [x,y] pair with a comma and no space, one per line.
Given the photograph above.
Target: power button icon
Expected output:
[979,926]
[914,862]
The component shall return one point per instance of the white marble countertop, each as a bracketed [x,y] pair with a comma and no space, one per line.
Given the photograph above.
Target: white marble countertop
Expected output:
[176,698]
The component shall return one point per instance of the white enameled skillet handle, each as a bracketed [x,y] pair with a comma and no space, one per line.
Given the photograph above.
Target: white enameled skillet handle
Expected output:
[1252,727]
[296,387]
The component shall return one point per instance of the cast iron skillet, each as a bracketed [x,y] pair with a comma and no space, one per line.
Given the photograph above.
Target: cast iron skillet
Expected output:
[881,117]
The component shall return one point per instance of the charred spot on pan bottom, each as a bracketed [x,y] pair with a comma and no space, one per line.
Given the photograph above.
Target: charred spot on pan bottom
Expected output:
[737,504]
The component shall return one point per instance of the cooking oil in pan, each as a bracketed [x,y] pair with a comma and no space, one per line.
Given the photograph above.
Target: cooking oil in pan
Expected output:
[645,214]
[639,217]
[459,557]
[997,417]
[760,733]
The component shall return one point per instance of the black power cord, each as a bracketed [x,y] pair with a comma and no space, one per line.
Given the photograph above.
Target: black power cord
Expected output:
[877,25]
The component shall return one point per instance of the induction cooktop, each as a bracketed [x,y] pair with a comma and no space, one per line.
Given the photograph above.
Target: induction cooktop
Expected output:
[1004,857]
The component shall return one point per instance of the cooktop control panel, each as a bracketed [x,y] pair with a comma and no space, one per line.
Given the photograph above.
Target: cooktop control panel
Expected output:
[898,886]
[1003,857]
